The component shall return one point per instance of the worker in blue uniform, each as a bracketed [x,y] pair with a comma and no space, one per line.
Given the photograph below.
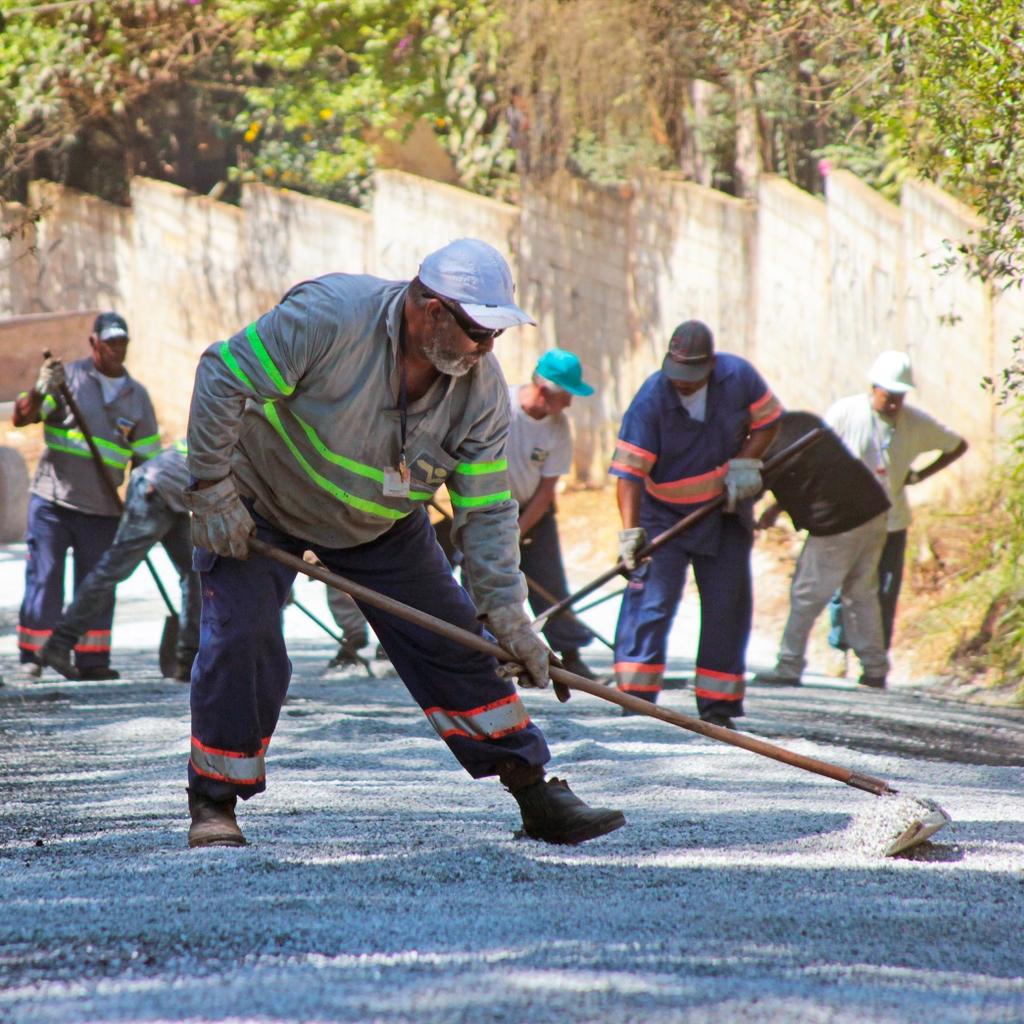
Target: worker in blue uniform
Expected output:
[696,429]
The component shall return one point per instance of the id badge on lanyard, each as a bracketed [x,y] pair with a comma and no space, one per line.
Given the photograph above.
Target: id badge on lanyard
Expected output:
[396,478]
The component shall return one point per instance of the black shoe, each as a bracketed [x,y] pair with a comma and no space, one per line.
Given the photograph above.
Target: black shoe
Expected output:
[874,682]
[722,721]
[345,658]
[183,667]
[552,813]
[98,672]
[572,662]
[59,658]
[776,678]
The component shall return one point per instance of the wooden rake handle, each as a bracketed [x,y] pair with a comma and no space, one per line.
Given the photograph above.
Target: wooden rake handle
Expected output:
[569,679]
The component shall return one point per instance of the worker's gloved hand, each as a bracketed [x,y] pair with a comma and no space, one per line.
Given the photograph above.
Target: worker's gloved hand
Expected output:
[742,480]
[511,627]
[220,522]
[630,543]
[51,376]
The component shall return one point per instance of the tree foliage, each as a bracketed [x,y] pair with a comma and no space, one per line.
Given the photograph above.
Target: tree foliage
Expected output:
[94,92]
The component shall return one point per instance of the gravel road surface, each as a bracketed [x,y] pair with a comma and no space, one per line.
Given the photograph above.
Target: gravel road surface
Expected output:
[382,884]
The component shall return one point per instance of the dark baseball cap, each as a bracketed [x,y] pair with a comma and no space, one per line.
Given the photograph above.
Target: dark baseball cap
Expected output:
[691,352]
[108,326]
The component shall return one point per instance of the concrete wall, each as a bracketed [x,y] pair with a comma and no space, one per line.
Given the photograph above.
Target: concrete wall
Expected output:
[791,294]
[18,264]
[809,289]
[867,279]
[575,281]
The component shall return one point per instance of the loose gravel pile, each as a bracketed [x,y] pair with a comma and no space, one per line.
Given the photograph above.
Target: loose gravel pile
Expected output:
[384,885]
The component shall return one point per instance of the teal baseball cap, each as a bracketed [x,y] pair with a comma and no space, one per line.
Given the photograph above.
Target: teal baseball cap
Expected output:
[564,369]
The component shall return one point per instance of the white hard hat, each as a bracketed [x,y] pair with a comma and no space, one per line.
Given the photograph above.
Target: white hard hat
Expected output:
[891,371]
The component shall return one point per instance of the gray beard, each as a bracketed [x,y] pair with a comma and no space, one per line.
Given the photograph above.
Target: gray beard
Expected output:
[445,357]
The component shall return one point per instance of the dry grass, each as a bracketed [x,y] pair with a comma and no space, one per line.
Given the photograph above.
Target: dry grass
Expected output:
[944,602]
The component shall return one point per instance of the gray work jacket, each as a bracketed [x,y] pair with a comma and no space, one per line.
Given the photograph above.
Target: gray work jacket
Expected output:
[125,431]
[302,408]
[168,474]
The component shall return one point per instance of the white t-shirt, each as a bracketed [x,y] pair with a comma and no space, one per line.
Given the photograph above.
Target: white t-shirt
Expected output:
[111,386]
[696,404]
[536,449]
[888,449]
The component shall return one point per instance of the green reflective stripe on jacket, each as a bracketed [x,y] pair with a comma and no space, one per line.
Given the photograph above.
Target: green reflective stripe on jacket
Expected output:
[363,504]
[479,484]
[181,446]
[49,404]
[146,447]
[266,362]
[482,468]
[232,364]
[74,443]
[479,501]
[359,468]
[77,437]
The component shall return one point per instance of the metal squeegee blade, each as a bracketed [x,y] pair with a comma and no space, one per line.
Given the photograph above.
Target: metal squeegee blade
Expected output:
[931,819]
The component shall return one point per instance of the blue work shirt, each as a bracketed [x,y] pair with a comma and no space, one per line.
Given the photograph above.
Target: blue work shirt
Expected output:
[682,461]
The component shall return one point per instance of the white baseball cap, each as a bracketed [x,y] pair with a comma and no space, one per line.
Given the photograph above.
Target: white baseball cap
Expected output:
[476,276]
[892,372]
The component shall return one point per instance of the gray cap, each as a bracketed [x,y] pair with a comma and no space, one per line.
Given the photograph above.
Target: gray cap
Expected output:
[476,276]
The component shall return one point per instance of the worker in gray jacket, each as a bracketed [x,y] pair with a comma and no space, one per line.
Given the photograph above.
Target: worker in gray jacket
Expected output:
[70,507]
[154,513]
[327,425]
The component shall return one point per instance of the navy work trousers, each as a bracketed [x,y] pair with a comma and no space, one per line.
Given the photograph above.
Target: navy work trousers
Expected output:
[241,675]
[890,580]
[726,608]
[52,531]
[147,520]
[541,561]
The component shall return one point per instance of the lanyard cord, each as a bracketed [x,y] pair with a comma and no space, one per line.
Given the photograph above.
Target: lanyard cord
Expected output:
[403,403]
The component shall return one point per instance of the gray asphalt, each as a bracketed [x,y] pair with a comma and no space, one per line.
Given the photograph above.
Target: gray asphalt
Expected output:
[381,884]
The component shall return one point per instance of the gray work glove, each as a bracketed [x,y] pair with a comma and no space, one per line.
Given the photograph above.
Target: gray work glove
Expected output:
[511,627]
[742,480]
[630,543]
[51,376]
[220,522]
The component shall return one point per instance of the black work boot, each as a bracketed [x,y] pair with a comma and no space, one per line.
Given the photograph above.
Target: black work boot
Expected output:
[213,822]
[59,657]
[551,811]
[183,666]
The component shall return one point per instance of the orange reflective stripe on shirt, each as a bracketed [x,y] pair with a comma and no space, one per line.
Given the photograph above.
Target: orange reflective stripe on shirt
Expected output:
[630,458]
[489,722]
[765,410]
[689,490]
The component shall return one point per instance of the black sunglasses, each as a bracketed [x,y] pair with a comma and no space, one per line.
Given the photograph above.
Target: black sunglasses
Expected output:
[477,334]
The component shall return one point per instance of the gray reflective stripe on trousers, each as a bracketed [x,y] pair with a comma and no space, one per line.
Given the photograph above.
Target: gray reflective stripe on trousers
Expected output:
[639,678]
[489,722]
[706,684]
[228,767]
